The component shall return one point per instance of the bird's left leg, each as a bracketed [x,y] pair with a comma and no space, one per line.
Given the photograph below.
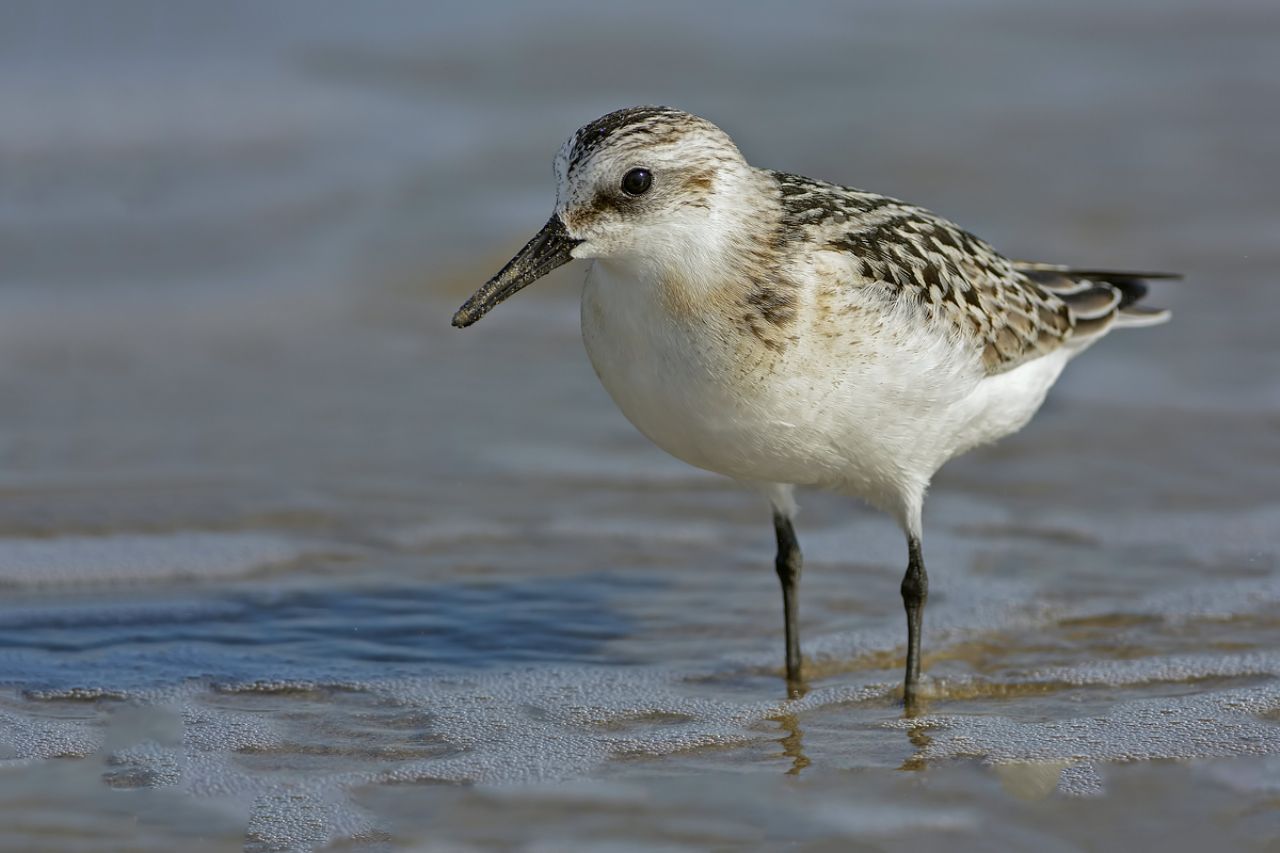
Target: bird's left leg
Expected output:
[788,563]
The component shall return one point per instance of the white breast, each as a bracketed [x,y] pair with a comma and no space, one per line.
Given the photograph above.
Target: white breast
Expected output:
[659,375]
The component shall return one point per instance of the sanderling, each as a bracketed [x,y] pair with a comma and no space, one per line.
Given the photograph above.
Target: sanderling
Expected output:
[788,332]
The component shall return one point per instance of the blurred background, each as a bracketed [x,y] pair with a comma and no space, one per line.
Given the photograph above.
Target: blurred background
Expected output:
[240,444]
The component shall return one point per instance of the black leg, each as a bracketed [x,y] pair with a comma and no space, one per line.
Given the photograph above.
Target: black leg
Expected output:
[915,591]
[788,565]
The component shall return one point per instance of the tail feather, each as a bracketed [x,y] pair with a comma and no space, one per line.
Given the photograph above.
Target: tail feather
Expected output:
[1098,299]
[1096,302]
[1138,316]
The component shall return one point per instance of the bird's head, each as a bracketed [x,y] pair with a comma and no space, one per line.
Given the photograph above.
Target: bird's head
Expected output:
[644,187]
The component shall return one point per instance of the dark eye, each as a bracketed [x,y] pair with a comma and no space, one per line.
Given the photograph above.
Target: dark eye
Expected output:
[637,181]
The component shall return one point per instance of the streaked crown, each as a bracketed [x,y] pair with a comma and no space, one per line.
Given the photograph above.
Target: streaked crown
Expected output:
[638,171]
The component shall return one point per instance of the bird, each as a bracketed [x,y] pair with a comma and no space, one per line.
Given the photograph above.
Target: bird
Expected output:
[792,333]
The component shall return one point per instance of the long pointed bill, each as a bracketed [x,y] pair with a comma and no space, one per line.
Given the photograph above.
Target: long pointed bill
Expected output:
[549,249]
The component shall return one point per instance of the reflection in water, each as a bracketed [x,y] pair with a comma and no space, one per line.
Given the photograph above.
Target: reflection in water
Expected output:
[793,743]
[920,739]
[338,631]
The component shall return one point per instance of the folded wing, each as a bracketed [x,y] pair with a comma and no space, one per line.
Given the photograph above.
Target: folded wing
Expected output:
[1010,311]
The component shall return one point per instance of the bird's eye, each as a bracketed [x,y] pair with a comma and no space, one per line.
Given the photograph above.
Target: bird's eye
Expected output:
[637,181]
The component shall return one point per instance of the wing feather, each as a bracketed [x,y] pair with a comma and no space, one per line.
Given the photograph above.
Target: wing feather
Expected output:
[1010,311]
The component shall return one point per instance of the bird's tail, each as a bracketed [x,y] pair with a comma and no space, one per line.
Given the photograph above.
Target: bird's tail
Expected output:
[1099,299]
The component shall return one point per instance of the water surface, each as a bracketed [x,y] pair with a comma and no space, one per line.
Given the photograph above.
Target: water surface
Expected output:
[289,563]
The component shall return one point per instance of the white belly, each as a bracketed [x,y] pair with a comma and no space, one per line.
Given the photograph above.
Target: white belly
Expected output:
[874,416]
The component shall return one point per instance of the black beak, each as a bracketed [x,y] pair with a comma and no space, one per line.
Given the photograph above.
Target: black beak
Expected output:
[549,249]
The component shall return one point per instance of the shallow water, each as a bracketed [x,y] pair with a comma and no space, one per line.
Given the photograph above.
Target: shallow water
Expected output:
[289,563]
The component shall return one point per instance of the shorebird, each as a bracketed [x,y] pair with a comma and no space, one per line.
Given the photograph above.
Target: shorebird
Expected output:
[787,332]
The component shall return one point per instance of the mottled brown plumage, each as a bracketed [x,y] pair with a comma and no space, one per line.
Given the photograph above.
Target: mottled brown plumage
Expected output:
[1011,311]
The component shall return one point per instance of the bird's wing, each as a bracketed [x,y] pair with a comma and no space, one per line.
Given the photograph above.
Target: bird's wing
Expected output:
[1009,311]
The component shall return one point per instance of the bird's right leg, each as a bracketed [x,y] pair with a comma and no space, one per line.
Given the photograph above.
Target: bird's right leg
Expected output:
[788,563]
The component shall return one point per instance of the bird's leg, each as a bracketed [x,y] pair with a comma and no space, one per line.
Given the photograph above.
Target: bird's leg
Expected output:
[915,591]
[788,565]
